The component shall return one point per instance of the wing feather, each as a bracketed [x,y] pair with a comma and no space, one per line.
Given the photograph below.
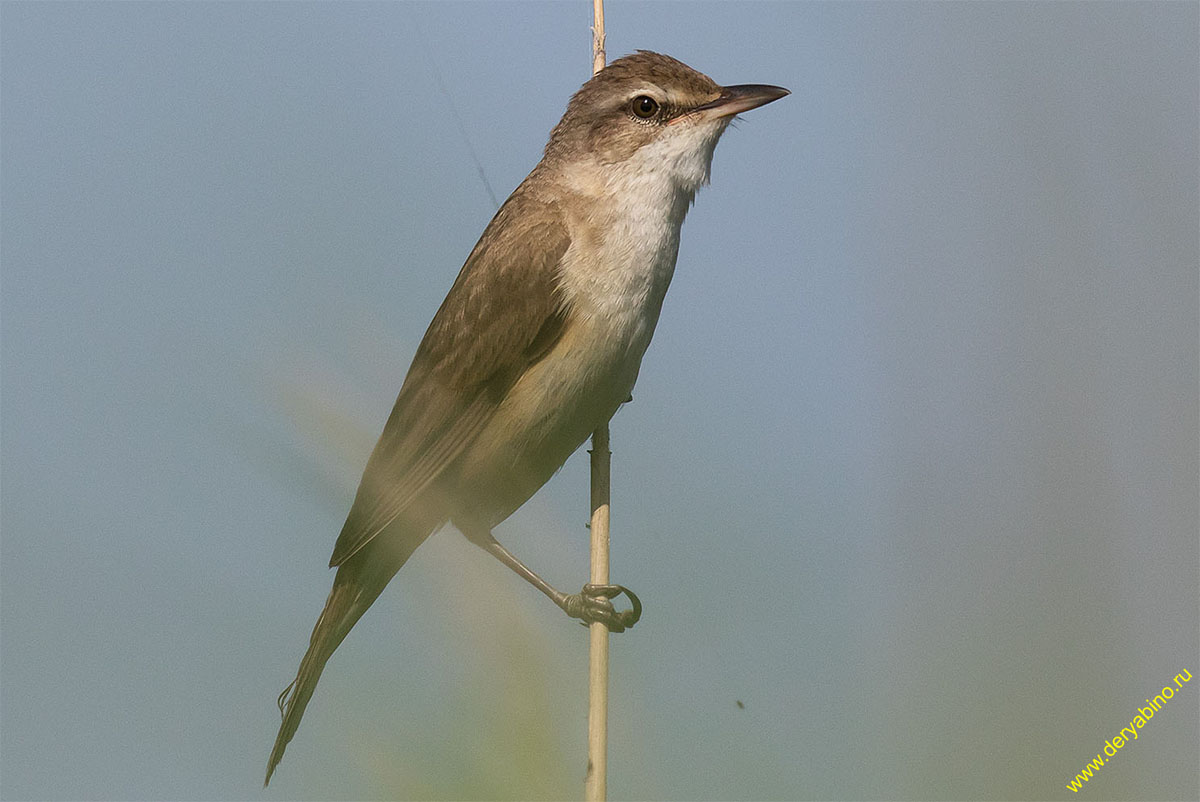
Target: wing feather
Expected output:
[502,314]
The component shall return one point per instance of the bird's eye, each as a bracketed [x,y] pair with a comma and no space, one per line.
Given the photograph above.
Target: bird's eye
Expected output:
[644,107]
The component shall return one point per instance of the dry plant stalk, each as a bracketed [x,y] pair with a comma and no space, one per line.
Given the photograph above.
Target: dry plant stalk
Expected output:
[595,786]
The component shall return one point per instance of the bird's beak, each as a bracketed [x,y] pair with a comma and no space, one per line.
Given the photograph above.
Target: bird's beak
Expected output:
[736,99]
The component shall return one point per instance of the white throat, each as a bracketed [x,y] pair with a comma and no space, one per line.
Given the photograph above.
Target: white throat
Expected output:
[622,255]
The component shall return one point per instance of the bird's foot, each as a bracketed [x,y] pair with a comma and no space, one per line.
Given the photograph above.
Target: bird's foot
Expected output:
[594,605]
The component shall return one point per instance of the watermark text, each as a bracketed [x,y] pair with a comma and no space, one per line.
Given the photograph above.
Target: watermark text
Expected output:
[1128,733]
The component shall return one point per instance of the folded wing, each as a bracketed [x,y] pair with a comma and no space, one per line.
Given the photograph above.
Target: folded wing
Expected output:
[502,314]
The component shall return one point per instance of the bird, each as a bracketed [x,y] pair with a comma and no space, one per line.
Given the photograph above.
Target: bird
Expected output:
[537,343]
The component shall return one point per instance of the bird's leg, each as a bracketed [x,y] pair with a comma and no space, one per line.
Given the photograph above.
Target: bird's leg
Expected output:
[592,604]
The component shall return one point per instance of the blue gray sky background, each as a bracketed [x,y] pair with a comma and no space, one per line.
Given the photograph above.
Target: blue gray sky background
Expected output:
[911,471]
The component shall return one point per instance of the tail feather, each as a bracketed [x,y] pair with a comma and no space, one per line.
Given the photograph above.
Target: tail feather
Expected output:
[358,583]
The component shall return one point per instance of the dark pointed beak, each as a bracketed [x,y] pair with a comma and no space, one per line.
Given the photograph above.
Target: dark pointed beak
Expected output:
[736,99]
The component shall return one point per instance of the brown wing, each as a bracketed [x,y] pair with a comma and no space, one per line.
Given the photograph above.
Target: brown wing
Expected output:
[501,315]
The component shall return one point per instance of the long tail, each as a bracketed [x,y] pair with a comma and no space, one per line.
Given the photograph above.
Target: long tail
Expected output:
[358,583]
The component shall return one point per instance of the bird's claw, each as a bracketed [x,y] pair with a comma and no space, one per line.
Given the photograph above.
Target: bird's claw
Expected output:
[594,605]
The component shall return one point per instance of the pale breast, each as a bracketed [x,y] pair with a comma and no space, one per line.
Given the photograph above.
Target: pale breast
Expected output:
[612,281]
[614,297]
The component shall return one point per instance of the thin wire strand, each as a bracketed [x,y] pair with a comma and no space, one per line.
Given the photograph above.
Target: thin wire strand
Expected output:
[458,120]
